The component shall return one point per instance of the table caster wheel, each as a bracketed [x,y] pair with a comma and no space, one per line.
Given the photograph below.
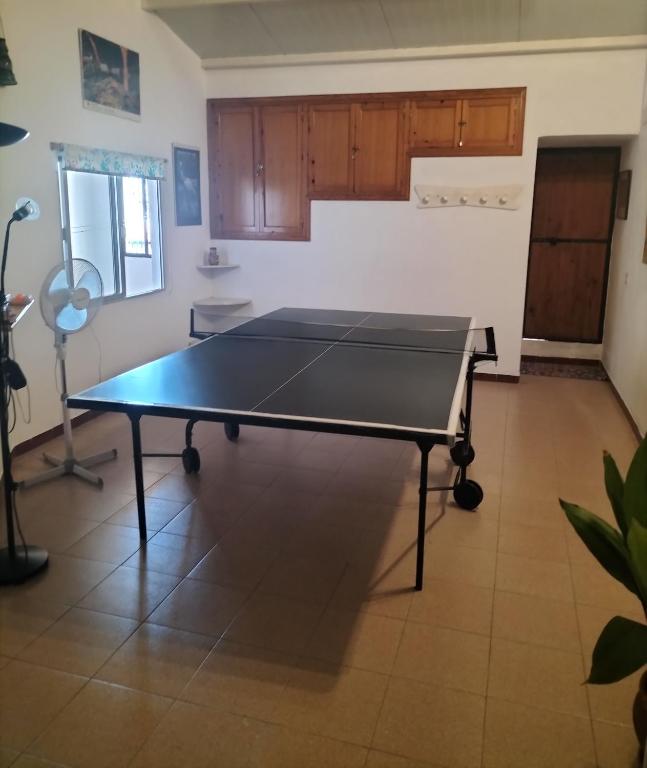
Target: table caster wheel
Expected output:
[232,431]
[468,494]
[462,454]
[190,460]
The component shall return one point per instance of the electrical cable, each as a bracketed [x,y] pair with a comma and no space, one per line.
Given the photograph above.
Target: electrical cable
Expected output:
[25,417]
[99,350]
[17,521]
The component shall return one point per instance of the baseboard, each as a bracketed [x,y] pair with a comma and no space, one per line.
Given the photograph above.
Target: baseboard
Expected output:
[625,410]
[50,434]
[561,360]
[506,378]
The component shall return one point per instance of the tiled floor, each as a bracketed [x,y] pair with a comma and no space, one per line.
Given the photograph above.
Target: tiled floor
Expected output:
[270,620]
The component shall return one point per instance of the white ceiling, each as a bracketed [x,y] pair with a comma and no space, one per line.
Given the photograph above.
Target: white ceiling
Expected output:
[221,29]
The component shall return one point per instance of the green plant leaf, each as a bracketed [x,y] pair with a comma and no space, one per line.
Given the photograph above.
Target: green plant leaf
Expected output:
[615,491]
[635,495]
[621,649]
[603,542]
[637,544]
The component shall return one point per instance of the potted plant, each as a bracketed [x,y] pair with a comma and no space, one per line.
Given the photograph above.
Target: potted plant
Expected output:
[621,648]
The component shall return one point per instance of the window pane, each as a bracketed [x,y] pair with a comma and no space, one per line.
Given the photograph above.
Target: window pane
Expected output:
[136,223]
[91,223]
[145,275]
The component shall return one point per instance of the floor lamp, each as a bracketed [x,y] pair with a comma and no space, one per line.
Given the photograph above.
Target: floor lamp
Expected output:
[17,561]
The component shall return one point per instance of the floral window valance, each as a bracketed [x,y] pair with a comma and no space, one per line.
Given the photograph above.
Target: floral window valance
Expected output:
[76,158]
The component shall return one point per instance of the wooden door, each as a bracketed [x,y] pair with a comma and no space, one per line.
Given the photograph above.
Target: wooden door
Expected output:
[570,241]
[281,170]
[233,178]
[434,123]
[379,150]
[490,125]
[330,138]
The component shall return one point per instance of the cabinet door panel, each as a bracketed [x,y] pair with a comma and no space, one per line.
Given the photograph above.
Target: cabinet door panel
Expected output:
[434,123]
[232,140]
[489,124]
[330,168]
[379,149]
[282,171]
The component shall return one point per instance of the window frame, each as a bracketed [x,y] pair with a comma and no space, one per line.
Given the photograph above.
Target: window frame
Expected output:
[119,253]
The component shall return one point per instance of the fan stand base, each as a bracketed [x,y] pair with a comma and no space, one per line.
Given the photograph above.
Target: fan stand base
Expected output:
[62,467]
[26,562]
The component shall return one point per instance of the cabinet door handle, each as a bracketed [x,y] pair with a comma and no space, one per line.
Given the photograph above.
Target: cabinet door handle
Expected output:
[354,151]
[259,168]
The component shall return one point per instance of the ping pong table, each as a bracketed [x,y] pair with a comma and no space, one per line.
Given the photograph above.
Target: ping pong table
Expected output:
[397,376]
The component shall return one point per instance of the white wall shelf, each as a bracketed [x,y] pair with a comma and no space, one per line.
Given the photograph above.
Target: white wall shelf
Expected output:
[215,267]
[214,303]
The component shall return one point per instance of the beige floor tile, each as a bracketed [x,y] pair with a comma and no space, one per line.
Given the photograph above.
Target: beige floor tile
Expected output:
[7,757]
[130,592]
[613,703]
[107,543]
[541,578]
[549,678]
[241,679]
[594,586]
[29,761]
[276,623]
[532,541]
[22,619]
[378,588]
[358,640]
[526,510]
[378,759]
[340,511]
[105,725]
[54,532]
[462,564]
[170,554]
[196,606]
[157,659]
[198,521]
[454,605]
[305,577]
[340,703]
[536,620]
[70,497]
[425,722]
[191,736]
[518,735]
[30,697]
[66,579]
[235,564]
[616,745]
[159,512]
[441,656]
[287,748]
[466,529]
[79,642]
[182,488]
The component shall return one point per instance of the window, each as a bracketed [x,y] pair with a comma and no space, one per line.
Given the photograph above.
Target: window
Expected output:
[113,221]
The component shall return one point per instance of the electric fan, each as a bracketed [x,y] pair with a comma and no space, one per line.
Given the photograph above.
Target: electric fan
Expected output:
[69,299]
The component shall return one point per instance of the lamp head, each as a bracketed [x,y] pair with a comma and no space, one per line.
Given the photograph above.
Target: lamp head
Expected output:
[11,134]
[26,210]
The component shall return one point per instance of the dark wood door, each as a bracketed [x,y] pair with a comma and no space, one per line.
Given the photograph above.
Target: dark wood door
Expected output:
[281,171]
[233,181]
[570,241]
[379,151]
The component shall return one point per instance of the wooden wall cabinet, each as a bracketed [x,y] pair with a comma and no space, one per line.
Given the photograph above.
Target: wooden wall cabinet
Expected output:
[257,172]
[269,157]
[468,123]
[357,150]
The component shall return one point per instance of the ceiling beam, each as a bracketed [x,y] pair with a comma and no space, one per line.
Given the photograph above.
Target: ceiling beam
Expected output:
[438,52]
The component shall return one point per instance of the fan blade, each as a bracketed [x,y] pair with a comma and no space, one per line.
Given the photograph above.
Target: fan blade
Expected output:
[70,319]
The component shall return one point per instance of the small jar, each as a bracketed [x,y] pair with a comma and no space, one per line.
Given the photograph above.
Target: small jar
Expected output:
[213,257]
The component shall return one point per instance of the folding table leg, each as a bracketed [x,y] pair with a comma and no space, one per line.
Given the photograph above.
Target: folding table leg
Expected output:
[139,473]
[422,513]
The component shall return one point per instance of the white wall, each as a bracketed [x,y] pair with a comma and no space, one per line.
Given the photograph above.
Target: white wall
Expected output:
[43,41]
[392,256]
[625,335]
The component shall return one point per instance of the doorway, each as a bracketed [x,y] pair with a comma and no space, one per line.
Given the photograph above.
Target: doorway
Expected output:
[570,243]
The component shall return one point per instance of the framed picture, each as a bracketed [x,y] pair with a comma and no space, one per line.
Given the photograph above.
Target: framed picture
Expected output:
[622,196]
[186,179]
[109,76]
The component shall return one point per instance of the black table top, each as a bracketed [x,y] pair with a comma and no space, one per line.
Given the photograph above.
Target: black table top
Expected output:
[373,370]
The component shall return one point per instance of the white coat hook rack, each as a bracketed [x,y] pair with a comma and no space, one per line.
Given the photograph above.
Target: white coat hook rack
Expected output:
[505,197]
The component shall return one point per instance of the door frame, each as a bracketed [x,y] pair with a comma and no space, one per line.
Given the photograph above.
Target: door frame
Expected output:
[617,151]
